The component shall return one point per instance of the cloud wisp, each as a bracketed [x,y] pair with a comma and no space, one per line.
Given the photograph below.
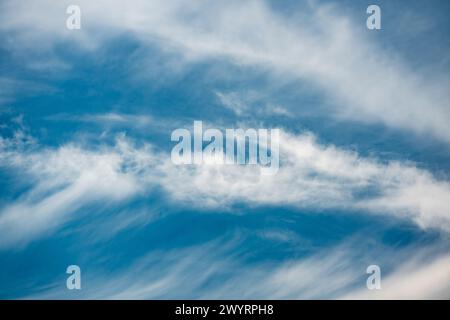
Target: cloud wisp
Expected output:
[361,79]
[204,272]
[311,175]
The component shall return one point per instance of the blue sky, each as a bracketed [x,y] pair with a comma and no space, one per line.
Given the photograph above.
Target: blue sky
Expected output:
[86,177]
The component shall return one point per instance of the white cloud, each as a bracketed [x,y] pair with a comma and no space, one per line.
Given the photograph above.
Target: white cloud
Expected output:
[311,176]
[316,176]
[63,181]
[12,87]
[413,280]
[361,79]
[251,103]
[203,272]
[110,119]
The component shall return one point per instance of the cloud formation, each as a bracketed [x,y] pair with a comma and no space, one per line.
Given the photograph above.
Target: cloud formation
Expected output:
[361,79]
[338,272]
[320,46]
[311,176]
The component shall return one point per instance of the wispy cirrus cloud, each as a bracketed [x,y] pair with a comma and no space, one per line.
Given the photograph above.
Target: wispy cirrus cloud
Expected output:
[356,77]
[12,87]
[360,79]
[251,103]
[317,176]
[311,176]
[204,272]
[108,119]
[63,181]
[413,280]
[143,122]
